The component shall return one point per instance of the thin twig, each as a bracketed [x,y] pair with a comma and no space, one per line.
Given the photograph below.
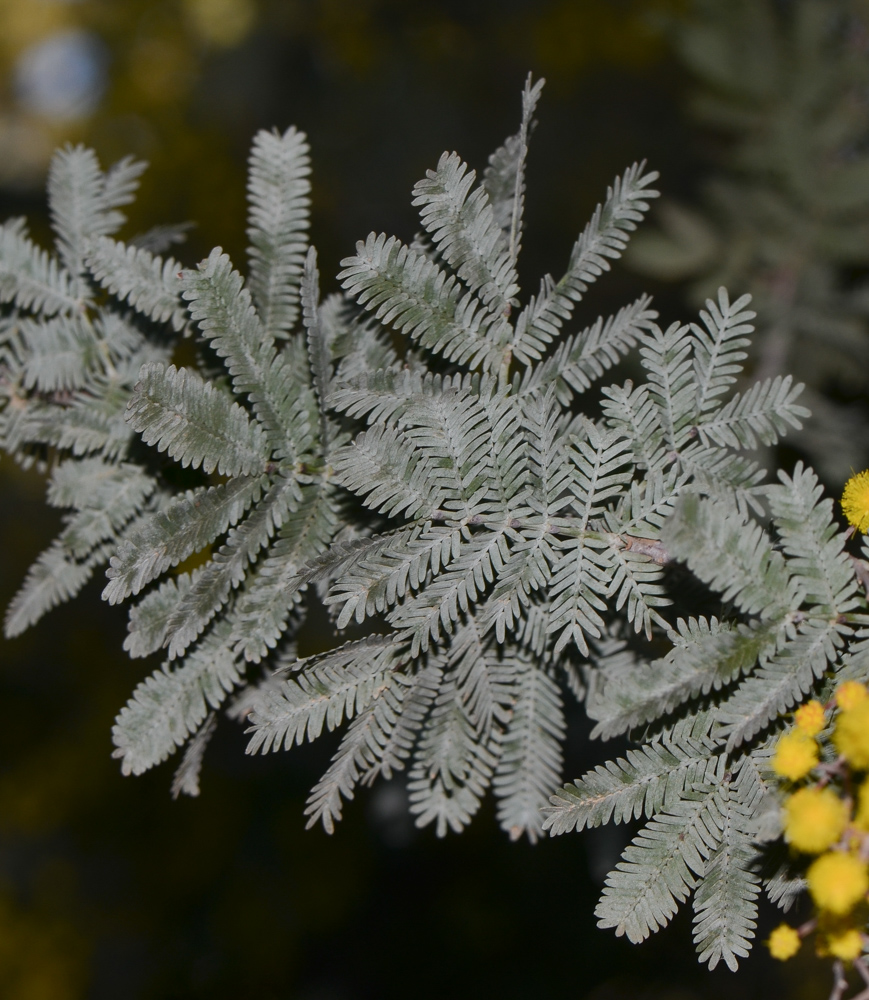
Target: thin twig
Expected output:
[650,547]
[861,571]
[840,983]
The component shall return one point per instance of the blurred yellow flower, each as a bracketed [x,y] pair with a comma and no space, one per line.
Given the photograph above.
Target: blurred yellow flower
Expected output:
[795,755]
[846,944]
[783,943]
[837,882]
[160,69]
[851,693]
[221,22]
[861,816]
[810,718]
[815,819]
[851,735]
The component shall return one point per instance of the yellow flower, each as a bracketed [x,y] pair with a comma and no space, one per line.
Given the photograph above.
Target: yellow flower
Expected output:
[815,820]
[783,943]
[846,944]
[222,22]
[861,817]
[810,718]
[850,693]
[837,882]
[795,755]
[855,501]
[851,735]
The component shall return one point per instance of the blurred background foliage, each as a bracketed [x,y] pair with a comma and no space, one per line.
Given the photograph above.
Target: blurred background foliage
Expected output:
[110,889]
[783,92]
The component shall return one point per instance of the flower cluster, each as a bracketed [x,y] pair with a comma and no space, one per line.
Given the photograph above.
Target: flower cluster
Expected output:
[827,816]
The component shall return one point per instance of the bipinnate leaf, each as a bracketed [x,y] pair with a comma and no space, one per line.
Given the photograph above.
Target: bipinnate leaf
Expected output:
[278,220]
[195,423]
[192,521]
[170,705]
[84,201]
[412,294]
[149,283]
[29,277]
[327,690]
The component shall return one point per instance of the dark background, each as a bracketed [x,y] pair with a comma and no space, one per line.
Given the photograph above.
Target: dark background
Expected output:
[110,889]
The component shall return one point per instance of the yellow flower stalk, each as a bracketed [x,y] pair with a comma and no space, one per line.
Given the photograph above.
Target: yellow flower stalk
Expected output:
[855,501]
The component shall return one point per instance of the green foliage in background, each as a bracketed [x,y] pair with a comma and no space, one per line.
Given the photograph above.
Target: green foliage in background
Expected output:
[785,214]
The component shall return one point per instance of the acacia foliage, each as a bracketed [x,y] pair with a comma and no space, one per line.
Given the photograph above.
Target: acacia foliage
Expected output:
[487,524]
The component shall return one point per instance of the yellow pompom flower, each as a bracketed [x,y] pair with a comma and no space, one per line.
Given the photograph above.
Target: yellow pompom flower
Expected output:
[783,943]
[851,735]
[846,944]
[837,882]
[810,718]
[815,819]
[795,755]
[851,693]
[861,816]
[855,501]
